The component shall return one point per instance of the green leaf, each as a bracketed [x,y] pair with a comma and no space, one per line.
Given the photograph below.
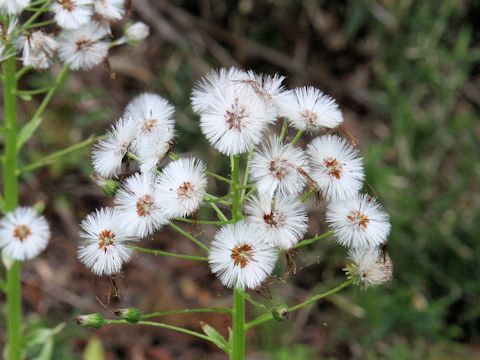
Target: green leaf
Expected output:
[94,350]
[215,336]
[43,339]
[27,131]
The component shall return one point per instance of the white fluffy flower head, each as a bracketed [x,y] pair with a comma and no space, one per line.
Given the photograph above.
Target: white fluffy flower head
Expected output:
[281,220]
[153,149]
[358,222]
[110,10]
[139,205]
[71,14]
[85,47]
[23,234]
[212,84]
[182,186]
[266,87]
[108,153]
[13,7]
[307,108]
[336,167]
[38,49]
[235,108]
[152,115]
[370,267]
[279,167]
[240,257]
[103,247]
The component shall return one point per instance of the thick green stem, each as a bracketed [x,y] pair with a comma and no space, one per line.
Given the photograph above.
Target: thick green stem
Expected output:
[238,312]
[10,192]
[238,325]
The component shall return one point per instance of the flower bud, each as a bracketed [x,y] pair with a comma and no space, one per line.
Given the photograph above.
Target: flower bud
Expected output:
[39,207]
[136,32]
[280,312]
[132,315]
[95,321]
[108,186]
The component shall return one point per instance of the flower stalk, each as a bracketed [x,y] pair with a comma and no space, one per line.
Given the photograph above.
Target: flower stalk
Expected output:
[10,193]
[238,311]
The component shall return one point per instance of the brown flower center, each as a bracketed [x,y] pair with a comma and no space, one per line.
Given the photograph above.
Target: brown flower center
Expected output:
[105,239]
[144,205]
[235,116]
[82,44]
[185,189]
[309,116]
[274,218]
[149,124]
[334,168]
[21,232]
[242,255]
[279,168]
[68,5]
[358,218]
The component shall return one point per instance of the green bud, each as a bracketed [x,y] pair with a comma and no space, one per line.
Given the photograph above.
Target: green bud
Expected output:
[132,315]
[95,321]
[39,207]
[280,312]
[108,186]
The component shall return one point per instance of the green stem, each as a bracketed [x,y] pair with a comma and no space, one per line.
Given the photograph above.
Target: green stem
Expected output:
[238,325]
[235,188]
[188,236]
[297,137]
[219,177]
[158,314]
[10,192]
[24,70]
[34,92]
[219,212]
[283,132]
[314,239]
[157,252]
[52,157]
[246,175]
[203,222]
[267,317]
[40,24]
[306,195]
[238,311]
[46,100]
[213,198]
[36,14]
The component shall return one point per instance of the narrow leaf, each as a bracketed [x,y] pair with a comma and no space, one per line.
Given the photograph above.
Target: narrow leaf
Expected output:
[94,350]
[216,337]
[27,131]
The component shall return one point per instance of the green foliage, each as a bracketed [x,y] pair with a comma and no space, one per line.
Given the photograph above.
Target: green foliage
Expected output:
[425,174]
[94,350]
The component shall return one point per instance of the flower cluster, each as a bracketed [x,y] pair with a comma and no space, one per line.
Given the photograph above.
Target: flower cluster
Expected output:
[148,196]
[236,112]
[85,36]
[236,108]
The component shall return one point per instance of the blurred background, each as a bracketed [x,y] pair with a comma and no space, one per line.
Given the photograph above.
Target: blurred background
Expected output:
[406,75]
